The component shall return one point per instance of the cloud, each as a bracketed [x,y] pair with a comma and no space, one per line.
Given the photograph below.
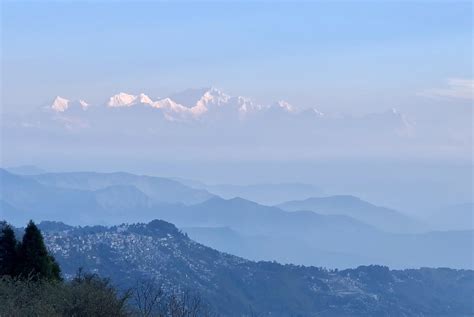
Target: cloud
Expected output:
[457,88]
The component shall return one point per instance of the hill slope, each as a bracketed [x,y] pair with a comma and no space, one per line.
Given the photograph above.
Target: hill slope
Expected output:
[232,285]
[305,237]
[380,217]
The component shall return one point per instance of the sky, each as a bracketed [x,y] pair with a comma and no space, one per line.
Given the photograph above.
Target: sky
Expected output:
[339,56]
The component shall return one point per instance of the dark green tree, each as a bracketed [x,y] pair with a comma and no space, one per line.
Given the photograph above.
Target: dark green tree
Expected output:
[33,257]
[8,250]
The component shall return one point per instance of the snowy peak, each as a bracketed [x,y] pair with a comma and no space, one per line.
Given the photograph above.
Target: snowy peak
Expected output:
[313,112]
[200,97]
[83,104]
[284,105]
[167,104]
[317,112]
[142,98]
[214,96]
[246,105]
[126,100]
[121,100]
[191,104]
[213,104]
[60,104]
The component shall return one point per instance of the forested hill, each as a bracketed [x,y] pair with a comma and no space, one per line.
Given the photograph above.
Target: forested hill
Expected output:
[159,251]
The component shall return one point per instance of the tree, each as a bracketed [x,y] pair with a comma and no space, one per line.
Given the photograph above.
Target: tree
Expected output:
[33,257]
[8,250]
[85,295]
[90,295]
[149,298]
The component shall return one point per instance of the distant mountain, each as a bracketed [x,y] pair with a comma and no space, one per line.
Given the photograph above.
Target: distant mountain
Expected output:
[127,100]
[255,231]
[26,170]
[452,217]
[197,105]
[249,217]
[38,201]
[267,194]
[189,104]
[189,125]
[85,198]
[61,104]
[268,247]
[158,189]
[262,232]
[380,217]
[235,287]
[10,213]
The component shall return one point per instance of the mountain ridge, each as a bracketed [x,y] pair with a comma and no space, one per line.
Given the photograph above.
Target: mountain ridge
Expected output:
[302,236]
[191,104]
[382,217]
[232,284]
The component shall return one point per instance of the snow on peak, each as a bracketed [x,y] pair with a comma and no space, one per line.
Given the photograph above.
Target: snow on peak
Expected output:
[211,96]
[83,104]
[126,100]
[282,104]
[142,98]
[174,111]
[121,100]
[246,105]
[317,112]
[60,104]
[216,96]
[200,97]
[192,104]
[166,103]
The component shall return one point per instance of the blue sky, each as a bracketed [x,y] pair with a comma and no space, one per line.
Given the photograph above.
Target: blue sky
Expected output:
[358,56]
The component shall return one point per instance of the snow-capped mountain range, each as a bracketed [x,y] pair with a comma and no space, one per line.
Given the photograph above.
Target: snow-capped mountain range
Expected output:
[209,108]
[197,122]
[187,105]
[209,114]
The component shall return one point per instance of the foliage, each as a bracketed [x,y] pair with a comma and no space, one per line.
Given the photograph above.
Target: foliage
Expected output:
[90,295]
[31,285]
[238,287]
[33,257]
[233,286]
[86,295]
[151,300]
[28,258]
[8,250]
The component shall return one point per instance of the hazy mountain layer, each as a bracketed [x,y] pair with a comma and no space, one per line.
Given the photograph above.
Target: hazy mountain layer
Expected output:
[255,231]
[383,218]
[452,217]
[266,194]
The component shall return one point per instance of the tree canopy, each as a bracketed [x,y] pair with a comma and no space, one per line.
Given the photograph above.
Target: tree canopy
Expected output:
[29,258]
